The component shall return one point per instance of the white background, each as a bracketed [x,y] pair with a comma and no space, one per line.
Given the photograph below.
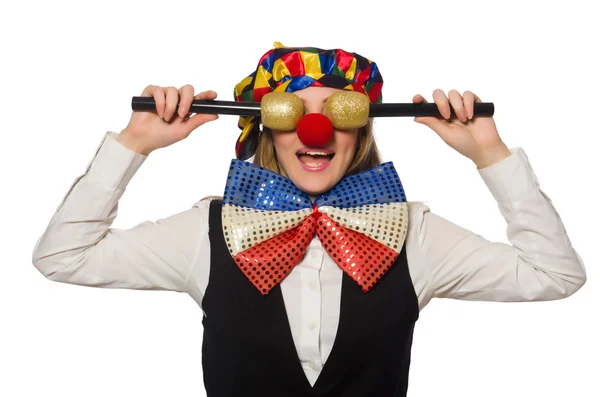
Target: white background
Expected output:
[69,70]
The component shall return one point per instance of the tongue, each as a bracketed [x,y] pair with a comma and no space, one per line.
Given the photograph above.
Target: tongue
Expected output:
[310,159]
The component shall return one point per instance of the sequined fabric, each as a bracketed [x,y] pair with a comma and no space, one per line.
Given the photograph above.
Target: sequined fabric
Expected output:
[268,223]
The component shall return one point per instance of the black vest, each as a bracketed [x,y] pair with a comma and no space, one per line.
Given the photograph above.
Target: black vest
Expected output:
[248,349]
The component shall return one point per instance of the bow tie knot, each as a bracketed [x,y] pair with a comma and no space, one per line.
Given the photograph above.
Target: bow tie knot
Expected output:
[315,212]
[268,223]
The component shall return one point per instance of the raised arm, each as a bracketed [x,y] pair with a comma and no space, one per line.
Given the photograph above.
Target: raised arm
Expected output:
[539,263]
[80,247]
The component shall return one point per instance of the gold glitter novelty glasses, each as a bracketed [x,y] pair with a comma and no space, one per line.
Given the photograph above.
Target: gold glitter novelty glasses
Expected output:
[345,109]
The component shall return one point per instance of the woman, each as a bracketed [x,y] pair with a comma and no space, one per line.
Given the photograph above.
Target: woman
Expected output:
[311,271]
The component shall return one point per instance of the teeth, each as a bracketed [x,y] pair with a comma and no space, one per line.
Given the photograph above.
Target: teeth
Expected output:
[316,153]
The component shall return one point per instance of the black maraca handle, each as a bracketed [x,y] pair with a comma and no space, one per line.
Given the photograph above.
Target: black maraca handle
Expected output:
[480,109]
[204,106]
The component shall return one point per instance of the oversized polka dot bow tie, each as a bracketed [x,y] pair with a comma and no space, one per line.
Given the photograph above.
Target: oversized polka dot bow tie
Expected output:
[268,223]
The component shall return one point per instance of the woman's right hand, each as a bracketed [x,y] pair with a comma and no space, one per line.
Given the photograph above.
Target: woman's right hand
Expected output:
[151,130]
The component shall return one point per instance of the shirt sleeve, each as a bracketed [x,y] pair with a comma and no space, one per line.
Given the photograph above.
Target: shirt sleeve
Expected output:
[539,263]
[79,246]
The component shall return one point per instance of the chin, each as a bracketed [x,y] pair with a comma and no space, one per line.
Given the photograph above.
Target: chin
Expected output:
[314,188]
[314,183]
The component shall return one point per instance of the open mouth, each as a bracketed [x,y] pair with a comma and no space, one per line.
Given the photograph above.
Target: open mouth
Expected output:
[315,159]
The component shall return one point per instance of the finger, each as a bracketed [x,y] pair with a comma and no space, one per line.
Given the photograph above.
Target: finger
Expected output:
[431,122]
[418,98]
[197,120]
[206,95]
[210,95]
[456,101]
[158,93]
[186,96]
[442,103]
[172,99]
[469,99]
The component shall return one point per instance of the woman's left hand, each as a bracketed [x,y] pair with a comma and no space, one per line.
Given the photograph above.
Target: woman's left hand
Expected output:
[474,137]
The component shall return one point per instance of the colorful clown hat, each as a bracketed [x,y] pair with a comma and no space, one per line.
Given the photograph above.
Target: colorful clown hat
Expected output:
[288,69]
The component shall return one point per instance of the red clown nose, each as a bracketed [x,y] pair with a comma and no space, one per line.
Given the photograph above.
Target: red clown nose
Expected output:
[315,129]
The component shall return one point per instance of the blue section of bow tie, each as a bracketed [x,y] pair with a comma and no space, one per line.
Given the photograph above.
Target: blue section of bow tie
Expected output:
[251,186]
[378,185]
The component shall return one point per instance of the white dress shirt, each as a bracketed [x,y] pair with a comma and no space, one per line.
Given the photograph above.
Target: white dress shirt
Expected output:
[444,259]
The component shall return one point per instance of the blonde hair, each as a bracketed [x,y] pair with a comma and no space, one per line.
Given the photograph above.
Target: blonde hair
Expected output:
[366,154]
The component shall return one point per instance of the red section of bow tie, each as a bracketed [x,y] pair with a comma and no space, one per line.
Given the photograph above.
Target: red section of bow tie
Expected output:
[267,263]
[359,256]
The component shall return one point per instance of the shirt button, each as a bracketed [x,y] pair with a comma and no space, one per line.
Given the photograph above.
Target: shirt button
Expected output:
[312,285]
[312,325]
[313,365]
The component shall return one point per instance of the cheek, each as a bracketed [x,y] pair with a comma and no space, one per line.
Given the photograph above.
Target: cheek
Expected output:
[283,141]
[347,141]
